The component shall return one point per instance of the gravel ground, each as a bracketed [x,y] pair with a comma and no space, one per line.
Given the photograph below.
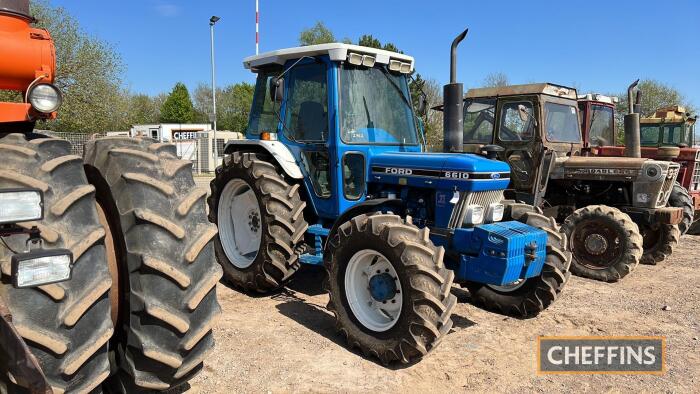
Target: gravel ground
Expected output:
[286,342]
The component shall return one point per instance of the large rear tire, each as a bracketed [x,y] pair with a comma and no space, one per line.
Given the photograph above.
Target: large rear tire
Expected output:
[66,325]
[261,221]
[681,199]
[162,238]
[694,228]
[389,289]
[605,242]
[527,298]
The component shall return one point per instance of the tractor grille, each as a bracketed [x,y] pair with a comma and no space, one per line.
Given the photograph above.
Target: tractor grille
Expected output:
[695,180]
[668,185]
[483,199]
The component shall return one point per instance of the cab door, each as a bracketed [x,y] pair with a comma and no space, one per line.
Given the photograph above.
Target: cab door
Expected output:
[517,132]
[306,128]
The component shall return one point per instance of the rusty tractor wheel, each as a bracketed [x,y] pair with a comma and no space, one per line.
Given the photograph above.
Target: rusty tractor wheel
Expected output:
[66,325]
[659,241]
[605,242]
[681,199]
[527,298]
[163,257]
[694,228]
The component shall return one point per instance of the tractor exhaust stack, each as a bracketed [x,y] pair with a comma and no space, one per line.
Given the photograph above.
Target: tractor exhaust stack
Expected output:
[453,104]
[632,132]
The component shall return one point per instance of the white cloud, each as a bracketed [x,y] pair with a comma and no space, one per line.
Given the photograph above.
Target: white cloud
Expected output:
[167,10]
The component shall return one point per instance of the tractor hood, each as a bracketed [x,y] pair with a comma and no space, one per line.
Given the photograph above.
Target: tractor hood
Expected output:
[446,171]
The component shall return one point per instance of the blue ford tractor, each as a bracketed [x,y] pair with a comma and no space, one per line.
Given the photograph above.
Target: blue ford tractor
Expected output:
[333,172]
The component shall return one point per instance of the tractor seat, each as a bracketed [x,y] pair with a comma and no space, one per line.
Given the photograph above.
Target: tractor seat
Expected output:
[313,122]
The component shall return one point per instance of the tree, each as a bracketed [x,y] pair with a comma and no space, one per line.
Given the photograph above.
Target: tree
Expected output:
[178,107]
[233,104]
[432,120]
[655,95]
[318,34]
[496,79]
[367,40]
[142,109]
[88,73]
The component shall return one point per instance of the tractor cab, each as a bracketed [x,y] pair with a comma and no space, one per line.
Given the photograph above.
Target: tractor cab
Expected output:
[670,126]
[597,119]
[332,105]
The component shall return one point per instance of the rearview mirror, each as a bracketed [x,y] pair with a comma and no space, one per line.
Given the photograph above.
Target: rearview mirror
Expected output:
[276,89]
[522,112]
[422,104]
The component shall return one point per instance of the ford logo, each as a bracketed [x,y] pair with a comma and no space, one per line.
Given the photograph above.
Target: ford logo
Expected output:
[495,175]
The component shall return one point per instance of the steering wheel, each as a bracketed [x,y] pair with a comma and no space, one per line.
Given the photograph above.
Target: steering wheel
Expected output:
[491,151]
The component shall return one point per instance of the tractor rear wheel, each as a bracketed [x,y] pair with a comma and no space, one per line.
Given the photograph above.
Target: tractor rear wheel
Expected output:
[389,289]
[659,241]
[694,228]
[605,242]
[681,199]
[527,298]
[261,222]
[66,325]
[167,275]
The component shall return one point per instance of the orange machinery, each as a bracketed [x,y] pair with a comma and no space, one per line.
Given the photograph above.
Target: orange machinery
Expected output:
[27,65]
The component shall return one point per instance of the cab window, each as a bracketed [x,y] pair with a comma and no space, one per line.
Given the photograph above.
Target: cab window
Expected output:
[306,111]
[353,175]
[602,129]
[561,123]
[649,135]
[671,134]
[479,120]
[517,122]
[262,114]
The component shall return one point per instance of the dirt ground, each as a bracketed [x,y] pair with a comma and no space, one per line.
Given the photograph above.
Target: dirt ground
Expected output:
[286,342]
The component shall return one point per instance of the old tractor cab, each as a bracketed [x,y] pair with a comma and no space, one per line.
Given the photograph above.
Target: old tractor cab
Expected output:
[605,204]
[333,172]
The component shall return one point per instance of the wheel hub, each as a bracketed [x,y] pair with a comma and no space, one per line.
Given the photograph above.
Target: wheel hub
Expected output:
[254,221]
[596,244]
[382,287]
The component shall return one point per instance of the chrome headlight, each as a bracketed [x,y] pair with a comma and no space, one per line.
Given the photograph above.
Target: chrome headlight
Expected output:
[45,98]
[495,212]
[20,205]
[474,215]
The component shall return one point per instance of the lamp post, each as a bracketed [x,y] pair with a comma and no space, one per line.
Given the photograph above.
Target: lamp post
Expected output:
[212,22]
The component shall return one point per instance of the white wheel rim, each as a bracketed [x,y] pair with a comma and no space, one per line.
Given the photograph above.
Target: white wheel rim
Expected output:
[508,287]
[240,223]
[375,313]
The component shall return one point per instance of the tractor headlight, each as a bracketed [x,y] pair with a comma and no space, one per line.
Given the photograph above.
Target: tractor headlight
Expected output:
[20,205]
[45,98]
[495,212]
[41,267]
[474,215]
[652,171]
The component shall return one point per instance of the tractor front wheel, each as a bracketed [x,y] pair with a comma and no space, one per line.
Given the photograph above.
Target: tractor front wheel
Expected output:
[605,242]
[527,298]
[388,287]
[659,241]
[681,199]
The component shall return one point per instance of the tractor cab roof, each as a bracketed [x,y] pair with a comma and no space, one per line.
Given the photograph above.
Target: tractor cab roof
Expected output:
[547,88]
[672,114]
[335,51]
[599,98]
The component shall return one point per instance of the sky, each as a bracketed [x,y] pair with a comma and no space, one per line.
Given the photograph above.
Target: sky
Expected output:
[598,46]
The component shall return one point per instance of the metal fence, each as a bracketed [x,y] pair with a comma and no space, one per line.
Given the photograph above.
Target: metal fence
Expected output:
[198,150]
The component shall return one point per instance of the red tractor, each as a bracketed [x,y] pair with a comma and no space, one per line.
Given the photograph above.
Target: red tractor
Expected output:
[107,270]
[668,135]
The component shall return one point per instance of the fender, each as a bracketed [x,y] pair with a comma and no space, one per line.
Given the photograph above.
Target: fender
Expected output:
[366,206]
[279,152]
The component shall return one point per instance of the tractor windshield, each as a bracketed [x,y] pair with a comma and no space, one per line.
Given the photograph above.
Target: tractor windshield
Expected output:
[478,121]
[649,134]
[375,107]
[561,122]
[602,125]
